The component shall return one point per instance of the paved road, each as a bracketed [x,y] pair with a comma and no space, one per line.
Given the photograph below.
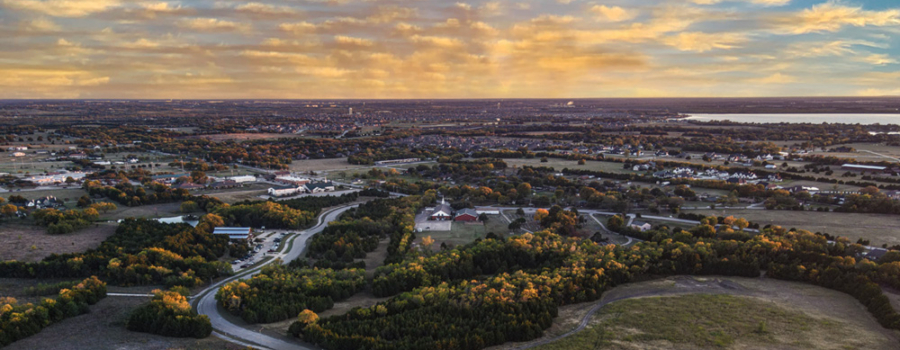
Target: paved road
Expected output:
[205,301]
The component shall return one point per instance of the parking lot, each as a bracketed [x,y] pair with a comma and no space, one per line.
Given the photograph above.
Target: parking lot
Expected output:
[266,243]
[423,224]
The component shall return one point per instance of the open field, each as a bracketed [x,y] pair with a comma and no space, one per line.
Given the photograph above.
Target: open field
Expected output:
[144,211]
[463,233]
[32,243]
[70,195]
[879,229]
[104,329]
[560,164]
[685,312]
[860,154]
[326,165]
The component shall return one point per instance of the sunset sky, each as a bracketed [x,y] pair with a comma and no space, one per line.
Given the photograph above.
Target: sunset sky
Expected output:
[447,49]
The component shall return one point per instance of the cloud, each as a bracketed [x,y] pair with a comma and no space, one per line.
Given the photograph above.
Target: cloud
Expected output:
[266,10]
[613,13]
[831,17]
[212,25]
[756,2]
[40,25]
[414,48]
[877,59]
[62,8]
[702,42]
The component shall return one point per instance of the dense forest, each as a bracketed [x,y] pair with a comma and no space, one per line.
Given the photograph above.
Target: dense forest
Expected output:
[141,252]
[494,290]
[169,314]
[18,321]
[280,292]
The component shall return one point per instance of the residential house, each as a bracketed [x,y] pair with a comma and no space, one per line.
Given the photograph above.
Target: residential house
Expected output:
[641,226]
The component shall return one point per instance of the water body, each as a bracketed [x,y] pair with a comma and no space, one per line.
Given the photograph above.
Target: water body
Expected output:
[815,118]
[178,220]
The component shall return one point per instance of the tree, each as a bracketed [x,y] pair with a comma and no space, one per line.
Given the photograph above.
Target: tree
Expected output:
[581,162]
[104,207]
[9,210]
[520,212]
[189,207]
[84,201]
[427,242]
[70,180]
[483,218]
[741,223]
[524,189]
[307,317]
[615,223]
[91,214]
[540,214]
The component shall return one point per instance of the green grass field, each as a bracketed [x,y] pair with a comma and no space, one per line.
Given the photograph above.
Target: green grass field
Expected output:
[463,233]
[706,321]
[879,229]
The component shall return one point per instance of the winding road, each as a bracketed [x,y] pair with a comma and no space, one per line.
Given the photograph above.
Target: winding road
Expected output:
[205,301]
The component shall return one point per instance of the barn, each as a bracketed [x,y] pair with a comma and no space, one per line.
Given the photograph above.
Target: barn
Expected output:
[467,215]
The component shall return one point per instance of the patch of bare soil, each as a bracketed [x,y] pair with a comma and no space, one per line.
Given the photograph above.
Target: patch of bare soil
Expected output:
[104,329]
[33,243]
[144,211]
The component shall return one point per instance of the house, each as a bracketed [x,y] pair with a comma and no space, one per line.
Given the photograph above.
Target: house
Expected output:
[283,191]
[467,215]
[487,210]
[319,187]
[441,212]
[43,203]
[235,233]
[641,226]
[876,254]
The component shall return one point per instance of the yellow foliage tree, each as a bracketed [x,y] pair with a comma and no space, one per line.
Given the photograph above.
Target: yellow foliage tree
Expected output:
[307,317]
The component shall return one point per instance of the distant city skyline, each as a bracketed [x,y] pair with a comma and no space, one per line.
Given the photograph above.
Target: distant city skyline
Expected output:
[334,49]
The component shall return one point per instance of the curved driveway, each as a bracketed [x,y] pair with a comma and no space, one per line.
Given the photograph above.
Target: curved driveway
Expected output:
[205,301]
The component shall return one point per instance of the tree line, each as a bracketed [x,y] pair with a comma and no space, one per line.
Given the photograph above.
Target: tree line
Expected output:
[19,321]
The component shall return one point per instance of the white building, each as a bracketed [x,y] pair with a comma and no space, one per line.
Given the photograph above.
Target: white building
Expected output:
[284,191]
[319,187]
[487,210]
[242,178]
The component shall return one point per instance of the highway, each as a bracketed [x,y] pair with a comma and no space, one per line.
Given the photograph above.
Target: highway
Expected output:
[205,301]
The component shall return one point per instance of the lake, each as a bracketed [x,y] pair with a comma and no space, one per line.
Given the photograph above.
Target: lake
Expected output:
[815,118]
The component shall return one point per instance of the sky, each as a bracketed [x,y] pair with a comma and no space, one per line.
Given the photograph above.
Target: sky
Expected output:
[318,49]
